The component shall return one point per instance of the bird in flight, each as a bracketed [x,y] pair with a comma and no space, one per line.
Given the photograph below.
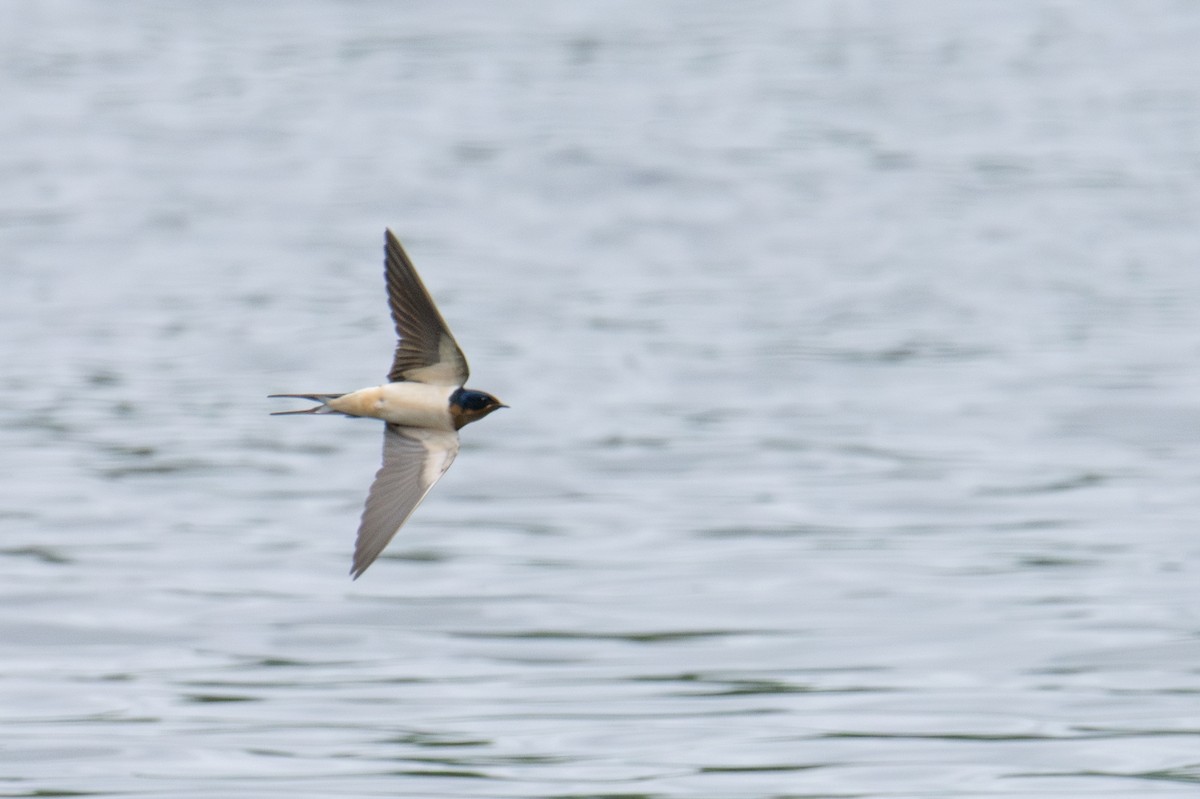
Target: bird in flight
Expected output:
[423,403]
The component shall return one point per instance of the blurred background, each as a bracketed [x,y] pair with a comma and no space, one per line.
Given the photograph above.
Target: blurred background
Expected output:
[852,354]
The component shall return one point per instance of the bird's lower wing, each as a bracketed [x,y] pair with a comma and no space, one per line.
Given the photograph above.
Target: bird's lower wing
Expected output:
[414,458]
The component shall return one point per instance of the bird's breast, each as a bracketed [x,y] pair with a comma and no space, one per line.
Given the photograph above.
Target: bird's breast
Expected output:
[406,403]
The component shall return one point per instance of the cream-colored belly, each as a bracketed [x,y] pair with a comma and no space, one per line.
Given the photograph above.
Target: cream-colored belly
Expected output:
[410,404]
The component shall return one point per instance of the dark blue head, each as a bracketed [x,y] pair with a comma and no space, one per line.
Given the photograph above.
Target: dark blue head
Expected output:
[468,405]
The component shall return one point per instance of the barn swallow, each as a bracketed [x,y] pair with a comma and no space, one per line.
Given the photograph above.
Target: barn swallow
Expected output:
[423,403]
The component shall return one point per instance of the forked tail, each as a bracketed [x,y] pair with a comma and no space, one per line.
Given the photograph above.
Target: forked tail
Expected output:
[321,398]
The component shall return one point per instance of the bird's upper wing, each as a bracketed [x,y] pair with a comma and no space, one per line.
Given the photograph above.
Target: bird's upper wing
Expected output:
[427,352]
[414,458]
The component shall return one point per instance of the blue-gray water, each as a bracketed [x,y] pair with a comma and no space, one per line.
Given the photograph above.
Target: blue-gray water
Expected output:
[853,355]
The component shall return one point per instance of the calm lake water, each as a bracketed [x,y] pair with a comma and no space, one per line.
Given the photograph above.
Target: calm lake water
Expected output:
[854,365]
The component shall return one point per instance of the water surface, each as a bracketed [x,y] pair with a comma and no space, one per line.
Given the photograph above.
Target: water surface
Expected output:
[853,362]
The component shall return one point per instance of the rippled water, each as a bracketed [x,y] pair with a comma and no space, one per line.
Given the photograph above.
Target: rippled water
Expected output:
[852,351]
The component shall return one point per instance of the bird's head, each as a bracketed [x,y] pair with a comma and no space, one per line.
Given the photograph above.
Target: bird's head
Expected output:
[468,405]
